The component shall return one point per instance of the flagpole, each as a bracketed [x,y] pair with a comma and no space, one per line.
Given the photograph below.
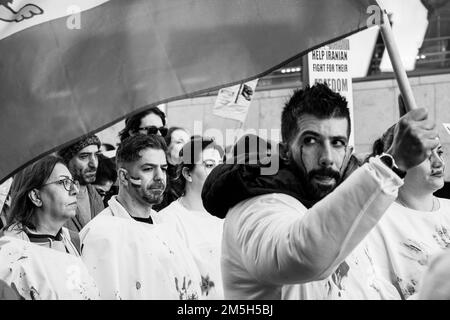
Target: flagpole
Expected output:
[399,70]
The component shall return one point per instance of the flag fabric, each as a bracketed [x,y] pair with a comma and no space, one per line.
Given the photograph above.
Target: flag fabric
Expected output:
[29,271]
[67,70]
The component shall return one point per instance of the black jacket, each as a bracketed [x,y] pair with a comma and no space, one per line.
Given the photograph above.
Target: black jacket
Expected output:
[229,184]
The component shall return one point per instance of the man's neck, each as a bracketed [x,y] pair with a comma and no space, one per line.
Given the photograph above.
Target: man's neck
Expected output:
[192,201]
[83,189]
[133,207]
[416,200]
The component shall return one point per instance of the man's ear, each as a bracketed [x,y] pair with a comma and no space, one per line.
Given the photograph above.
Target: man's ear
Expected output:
[122,176]
[35,197]
[186,174]
[285,152]
[348,154]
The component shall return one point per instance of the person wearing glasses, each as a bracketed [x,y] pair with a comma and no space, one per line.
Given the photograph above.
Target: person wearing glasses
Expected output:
[81,158]
[150,121]
[201,231]
[43,199]
[39,258]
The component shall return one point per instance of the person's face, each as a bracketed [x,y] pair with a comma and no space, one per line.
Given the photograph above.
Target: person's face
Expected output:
[59,203]
[178,140]
[429,175]
[84,164]
[149,120]
[209,160]
[150,173]
[318,150]
[102,189]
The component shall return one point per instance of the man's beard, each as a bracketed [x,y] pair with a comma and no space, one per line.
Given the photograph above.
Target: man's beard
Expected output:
[318,191]
[153,194]
[88,179]
[83,178]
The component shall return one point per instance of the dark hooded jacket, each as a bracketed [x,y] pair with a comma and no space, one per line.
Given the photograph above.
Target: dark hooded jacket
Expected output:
[229,184]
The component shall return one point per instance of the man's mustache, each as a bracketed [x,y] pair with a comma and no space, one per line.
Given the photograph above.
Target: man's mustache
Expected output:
[157,186]
[324,172]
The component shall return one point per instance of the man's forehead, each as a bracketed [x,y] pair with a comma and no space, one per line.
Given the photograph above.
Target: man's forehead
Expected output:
[152,156]
[328,127]
[93,148]
[151,119]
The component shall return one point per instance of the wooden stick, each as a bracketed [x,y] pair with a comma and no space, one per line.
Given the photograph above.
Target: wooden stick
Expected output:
[399,70]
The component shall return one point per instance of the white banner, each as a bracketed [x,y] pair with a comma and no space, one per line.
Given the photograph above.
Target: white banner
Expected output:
[234,102]
[331,65]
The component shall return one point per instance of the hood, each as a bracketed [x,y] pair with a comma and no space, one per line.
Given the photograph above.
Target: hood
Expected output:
[229,184]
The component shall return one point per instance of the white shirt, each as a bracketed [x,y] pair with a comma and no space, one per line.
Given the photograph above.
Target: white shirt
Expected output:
[202,233]
[273,240]
[39,273]
[404,242]
[136,260]
[355,279]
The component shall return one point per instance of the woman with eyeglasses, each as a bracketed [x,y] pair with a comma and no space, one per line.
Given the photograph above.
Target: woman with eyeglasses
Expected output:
[201,231]
[44,198]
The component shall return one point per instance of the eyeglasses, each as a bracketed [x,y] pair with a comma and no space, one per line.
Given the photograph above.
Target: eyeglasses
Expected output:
[154,130]
[67,183]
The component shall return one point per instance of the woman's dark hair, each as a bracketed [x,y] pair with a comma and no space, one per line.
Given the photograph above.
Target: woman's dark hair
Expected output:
[32,177]
[190,154]
[132,123]
[106,170]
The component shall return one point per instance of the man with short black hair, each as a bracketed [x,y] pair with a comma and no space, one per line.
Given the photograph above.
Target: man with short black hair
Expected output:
[290,228]
[81,158]
[128,255]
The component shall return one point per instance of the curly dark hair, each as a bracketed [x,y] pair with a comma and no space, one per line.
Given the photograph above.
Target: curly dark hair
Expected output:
[319,101]
[106,170]
[133,123]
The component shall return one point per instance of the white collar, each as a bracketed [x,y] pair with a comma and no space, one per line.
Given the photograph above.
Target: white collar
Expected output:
[118,210]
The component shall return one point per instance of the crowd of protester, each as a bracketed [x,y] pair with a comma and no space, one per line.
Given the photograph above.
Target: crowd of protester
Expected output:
[171,216]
